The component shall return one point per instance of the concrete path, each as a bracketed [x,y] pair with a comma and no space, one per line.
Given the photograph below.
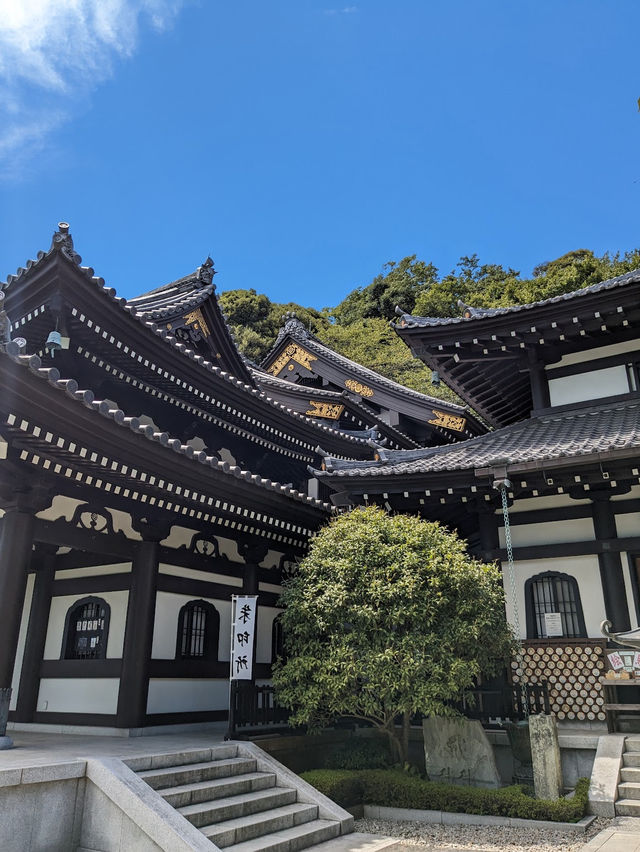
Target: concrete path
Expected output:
[40,747]
[623,835]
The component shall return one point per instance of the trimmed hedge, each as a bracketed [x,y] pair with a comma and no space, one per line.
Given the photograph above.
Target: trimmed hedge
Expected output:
[359,753]
[393,788]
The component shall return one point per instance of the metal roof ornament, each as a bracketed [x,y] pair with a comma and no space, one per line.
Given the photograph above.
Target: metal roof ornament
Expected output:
[205,273]
[629,638]
[63,241]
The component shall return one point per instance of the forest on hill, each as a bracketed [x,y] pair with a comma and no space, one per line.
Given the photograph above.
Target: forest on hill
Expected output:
[359,326]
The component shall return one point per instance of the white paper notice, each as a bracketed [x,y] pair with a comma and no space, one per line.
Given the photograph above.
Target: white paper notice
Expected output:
[615,660]
[243,625]
[553,624]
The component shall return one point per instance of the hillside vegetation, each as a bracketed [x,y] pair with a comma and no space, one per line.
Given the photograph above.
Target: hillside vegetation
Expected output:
[359,326]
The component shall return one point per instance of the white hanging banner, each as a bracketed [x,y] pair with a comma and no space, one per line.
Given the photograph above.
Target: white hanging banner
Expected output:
[243,626]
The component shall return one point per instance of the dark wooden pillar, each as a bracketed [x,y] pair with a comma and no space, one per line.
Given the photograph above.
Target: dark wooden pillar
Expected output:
[16,541]
[539,382]
[489,538]
[138,634]
[44,563]
[611,574]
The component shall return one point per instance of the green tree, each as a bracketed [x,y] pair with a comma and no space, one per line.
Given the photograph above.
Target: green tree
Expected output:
[387,616]
[399,284]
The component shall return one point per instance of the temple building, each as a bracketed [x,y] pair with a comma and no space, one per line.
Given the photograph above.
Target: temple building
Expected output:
[556,484]
[148,472]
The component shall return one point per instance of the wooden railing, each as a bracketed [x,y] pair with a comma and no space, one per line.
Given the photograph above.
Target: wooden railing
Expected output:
[253,706]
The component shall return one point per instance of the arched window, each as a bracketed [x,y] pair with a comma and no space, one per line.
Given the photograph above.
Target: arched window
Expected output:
[553,593]
[277,640]
[86,630]
[198,630]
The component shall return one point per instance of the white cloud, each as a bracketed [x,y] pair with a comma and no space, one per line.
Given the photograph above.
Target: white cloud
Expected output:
[53,52]
[345,10]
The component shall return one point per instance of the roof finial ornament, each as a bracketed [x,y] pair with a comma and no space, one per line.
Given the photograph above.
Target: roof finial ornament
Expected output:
[63,241]
[292,325]
[205,273]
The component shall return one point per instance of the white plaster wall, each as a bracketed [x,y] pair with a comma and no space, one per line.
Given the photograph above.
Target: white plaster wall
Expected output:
[165,629]
[194,574]
[122,523]
[78,695]
[270,587]
[94,571]
[24,622]
[589,385]
[551,532]
[597,352]
[180,696]
[586,571]
[273,557]
[59,608]
[633,494]
[628,524]
[266,614]
[554,501]
[182,537]
[61,507]
[626,570]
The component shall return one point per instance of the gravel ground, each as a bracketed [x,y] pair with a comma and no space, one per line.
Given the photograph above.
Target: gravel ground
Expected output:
[421,835]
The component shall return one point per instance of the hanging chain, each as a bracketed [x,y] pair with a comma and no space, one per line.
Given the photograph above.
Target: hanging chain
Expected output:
[514,598]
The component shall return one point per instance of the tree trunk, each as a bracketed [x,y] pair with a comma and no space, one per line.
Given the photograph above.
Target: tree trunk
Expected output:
[395,743]
[406,724]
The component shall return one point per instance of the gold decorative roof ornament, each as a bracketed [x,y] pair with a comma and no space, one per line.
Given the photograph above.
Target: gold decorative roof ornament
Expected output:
[197,322]
[358,387]
[448,421]
[330,410]
[293,352]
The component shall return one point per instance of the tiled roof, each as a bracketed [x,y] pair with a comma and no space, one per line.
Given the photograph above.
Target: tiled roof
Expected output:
[471,314]
[62,242]
[296,329]
[69,387]
[580,431]
[266,381]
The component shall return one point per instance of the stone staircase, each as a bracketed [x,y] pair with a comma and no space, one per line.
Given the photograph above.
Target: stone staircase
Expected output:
[237,806]
[628,801]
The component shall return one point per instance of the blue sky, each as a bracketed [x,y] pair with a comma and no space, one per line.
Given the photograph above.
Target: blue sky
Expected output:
[304,143]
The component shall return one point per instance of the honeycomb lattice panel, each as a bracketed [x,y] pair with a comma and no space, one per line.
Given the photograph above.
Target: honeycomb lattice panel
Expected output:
[572,674]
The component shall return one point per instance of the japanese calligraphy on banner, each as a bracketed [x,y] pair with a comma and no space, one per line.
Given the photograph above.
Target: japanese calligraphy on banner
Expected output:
[243,626]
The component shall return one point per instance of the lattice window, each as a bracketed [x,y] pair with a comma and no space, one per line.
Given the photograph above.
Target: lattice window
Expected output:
[552,592]
[86,630]
[198,630]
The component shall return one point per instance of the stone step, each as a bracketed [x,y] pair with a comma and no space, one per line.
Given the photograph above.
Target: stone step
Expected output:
[628,807]
[291,839]
[630,773]
[232,807]
[175,776]
[181,758]
[632,744]
[630,758]
[629,790]
[218,788]
[256,825]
